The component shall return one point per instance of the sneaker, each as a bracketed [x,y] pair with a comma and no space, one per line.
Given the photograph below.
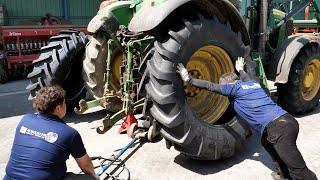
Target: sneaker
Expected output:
[277,176]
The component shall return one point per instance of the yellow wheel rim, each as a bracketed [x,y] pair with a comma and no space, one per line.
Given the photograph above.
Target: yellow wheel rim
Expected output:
[208,63]
[311,80]
[115,65]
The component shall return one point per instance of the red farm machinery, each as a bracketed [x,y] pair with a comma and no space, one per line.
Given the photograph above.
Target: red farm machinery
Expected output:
[20,45]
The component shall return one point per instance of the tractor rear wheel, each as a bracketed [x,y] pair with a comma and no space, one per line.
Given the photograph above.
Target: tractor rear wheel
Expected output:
[60,63]
[198,123]
[301,93]
[94,67]
[4,76]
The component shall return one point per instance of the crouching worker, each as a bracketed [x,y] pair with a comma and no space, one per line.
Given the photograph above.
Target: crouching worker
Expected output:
[278,129]
[43,142]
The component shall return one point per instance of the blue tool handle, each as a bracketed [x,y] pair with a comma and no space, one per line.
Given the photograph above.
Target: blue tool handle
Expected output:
[123,150]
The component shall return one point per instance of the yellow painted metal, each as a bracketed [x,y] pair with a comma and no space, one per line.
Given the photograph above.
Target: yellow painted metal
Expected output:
[311,80]
[116,63]
[208,63]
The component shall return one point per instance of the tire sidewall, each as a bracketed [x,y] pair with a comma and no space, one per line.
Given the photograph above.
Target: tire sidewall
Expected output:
[203,38]
[189,134]
[290,95]
[311,103]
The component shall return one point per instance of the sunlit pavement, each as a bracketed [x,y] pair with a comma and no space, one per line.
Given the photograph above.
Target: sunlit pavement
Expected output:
[153,160]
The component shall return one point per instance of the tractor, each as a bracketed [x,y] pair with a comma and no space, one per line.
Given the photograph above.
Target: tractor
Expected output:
[128,65]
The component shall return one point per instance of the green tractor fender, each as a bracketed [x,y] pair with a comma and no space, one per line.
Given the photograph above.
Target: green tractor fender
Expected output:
[149,18]
[96,23]
[113,15]
[285,54]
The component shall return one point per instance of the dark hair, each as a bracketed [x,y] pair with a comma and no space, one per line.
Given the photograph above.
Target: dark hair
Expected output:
[48,98]
[228,78]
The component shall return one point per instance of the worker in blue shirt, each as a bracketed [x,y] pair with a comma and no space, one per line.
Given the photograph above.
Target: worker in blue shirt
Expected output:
[278,129]
[43,142]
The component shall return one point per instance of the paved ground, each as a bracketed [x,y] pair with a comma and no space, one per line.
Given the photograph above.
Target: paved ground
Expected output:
[153,160]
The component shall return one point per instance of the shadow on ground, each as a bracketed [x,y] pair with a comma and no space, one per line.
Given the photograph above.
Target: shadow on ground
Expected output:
[252,150]
[316,110]
[14,102]
[14,99]
[90,117]
[15,105]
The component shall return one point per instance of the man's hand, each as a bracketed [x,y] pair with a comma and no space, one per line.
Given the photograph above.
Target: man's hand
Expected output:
[86,165]
[183,72]
[240,64]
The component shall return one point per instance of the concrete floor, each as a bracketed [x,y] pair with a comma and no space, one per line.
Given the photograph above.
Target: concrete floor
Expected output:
[153,160]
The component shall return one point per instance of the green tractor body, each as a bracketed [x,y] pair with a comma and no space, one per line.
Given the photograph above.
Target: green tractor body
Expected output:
[129,64]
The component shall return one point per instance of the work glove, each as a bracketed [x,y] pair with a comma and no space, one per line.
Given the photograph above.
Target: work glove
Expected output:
[240,64]
[183,73]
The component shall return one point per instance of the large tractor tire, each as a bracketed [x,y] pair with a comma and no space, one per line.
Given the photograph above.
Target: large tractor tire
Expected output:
[94,68]
[60,63]
[4,75]
[301,93]
[198,123]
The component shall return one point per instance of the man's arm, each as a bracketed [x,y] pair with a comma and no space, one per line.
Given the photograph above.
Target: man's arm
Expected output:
[86,165]
[79,153]
[203,84]
[225,89]
[244,76]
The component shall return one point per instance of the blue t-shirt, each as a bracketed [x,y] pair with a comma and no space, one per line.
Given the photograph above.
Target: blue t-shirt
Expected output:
[41,146]
[252,104]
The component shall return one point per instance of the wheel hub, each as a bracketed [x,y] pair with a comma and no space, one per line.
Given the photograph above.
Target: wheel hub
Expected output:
[208,63]
[311,80]
[116,63]
[308,80]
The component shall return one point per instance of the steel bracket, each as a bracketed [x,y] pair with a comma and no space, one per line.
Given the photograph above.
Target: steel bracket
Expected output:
[109,121]
[84,105]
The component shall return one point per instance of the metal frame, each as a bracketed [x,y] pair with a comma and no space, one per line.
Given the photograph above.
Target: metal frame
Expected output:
[129,47]
[129,105]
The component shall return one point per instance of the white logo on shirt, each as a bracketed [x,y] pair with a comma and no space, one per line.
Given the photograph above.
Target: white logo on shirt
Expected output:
[254,86]
[50,137]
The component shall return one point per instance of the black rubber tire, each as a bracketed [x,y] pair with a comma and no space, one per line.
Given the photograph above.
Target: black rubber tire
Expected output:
[94,67]
[60,63]
[4,75]
[94,64]
[179,124]
[289,94]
